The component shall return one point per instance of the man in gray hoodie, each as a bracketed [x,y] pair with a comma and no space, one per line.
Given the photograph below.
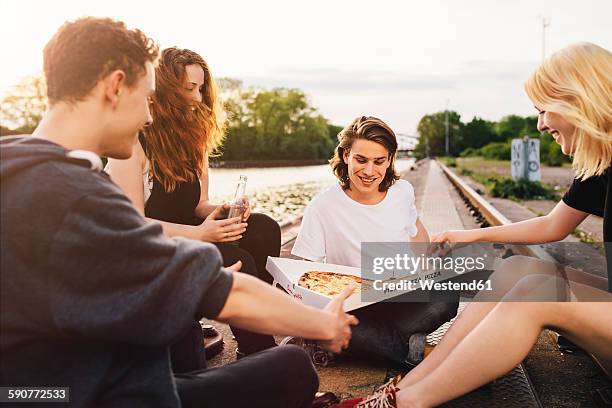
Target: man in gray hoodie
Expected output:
[91,293]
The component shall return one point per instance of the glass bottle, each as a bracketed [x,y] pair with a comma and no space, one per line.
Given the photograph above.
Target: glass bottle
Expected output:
[238,204]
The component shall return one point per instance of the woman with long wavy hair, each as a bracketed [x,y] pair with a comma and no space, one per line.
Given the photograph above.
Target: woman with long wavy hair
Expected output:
[167,180]
[572,92]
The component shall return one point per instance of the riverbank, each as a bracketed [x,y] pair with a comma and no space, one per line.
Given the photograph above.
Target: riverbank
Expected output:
[263,163]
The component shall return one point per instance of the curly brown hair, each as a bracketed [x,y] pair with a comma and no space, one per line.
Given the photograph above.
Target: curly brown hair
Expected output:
[366,128]
[182,134]
[84,51]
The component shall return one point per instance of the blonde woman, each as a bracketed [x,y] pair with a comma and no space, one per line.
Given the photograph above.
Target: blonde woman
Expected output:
[572,92]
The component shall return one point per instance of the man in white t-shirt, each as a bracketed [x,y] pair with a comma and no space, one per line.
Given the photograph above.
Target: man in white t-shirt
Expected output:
[371,204]
[335,225]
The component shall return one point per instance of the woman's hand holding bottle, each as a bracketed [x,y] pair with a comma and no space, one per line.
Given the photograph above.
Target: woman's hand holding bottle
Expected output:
[216,228]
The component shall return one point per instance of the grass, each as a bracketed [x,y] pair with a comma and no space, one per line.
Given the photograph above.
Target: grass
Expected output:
[587,238]
[448,161]
[494,175]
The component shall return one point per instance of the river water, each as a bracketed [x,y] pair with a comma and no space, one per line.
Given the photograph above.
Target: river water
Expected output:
[280,192]
[223,181]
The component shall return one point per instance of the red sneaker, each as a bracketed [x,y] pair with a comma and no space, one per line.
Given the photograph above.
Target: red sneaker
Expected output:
[383,397]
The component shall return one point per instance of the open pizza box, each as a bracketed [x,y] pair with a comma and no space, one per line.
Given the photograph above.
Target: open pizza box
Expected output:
[287,272]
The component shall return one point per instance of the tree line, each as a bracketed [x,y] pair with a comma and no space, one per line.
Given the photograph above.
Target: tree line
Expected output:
[261,124]
[480,137]
[276,124]
[281,124]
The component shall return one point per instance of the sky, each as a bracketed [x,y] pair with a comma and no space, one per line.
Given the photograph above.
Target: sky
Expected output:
[397,60]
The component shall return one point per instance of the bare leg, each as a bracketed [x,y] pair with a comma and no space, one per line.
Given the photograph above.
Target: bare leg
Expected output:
[503,279]
[501,341]
[473,314]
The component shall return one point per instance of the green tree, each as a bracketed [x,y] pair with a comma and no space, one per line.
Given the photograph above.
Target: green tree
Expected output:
[531,126]
[510,127]
[431,131]
[477,133]
[274,124]
[23,106]
[333,133]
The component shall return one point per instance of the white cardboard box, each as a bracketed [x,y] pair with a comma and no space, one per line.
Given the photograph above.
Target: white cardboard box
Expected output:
[286,273]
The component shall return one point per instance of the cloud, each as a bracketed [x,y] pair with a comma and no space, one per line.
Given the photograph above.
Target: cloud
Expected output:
[474,88]
[332,80]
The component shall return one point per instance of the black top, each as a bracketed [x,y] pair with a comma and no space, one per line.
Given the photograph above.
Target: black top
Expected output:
[177,206]
[91,293]
[594,196]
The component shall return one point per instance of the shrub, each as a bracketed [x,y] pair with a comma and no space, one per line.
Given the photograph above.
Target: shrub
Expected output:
[469,152]
[465,171]
[451,161]
[555,155]
[496,151]
[521,189]
[550,152]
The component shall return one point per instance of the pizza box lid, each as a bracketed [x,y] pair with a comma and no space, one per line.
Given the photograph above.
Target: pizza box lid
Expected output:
[286,273]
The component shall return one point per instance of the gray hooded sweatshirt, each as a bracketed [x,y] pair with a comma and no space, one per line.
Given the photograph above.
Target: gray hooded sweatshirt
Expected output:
[92,295]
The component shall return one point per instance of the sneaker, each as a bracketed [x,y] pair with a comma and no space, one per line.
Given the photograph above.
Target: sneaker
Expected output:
[324,400]
[382,397]
[416,349]
[319,356]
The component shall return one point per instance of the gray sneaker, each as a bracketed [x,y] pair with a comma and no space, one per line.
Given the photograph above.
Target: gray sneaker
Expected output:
[416,349]
[318,355]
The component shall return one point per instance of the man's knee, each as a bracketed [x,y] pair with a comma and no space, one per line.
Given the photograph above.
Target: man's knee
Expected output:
[445,311]
[248,263]
[299,370]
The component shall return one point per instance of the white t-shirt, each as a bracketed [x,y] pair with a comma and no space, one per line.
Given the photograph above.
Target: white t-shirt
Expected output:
[335,225]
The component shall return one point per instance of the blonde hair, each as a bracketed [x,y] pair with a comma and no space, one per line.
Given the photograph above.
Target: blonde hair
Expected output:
[576,83]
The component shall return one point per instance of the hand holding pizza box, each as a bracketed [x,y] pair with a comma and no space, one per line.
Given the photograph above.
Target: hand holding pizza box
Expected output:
[343,322]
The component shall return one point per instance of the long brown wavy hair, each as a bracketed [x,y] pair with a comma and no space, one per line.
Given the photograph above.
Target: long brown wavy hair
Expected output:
[366,128]
[182,134]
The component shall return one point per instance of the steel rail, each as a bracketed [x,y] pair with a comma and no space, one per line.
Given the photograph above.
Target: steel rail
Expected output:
[492,214]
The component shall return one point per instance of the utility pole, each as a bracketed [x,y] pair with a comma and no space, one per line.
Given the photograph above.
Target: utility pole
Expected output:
[545,23]
[446,144]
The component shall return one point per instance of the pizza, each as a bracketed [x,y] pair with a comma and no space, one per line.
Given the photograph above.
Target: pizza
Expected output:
[330,283]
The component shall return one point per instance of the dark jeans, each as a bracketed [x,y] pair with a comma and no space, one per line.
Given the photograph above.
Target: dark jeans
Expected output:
[384,328]
[282,377]
[260,240]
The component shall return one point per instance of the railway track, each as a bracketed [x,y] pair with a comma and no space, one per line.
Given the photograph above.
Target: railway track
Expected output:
[487,215]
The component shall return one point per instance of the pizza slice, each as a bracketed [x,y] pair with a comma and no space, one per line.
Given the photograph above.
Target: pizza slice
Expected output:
[330,283]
